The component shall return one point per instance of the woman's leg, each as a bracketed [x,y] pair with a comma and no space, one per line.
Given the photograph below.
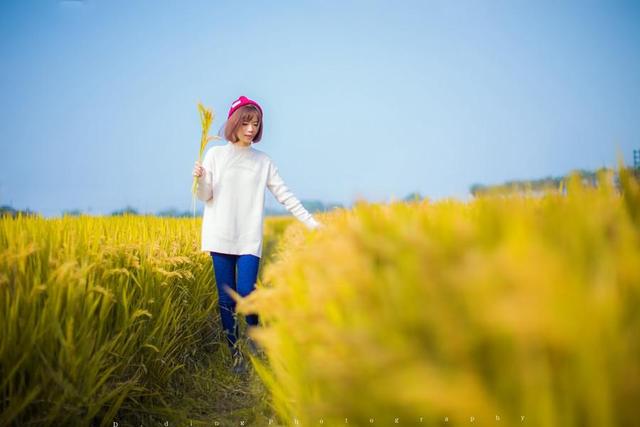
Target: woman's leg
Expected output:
[224,266]
[247,276]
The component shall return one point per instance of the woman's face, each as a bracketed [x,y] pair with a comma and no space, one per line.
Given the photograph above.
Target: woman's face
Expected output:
[247,131]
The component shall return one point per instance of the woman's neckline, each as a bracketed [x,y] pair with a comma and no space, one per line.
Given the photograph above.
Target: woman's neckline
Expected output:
[237,146]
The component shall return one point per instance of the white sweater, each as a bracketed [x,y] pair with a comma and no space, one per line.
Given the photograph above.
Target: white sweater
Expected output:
[233,189]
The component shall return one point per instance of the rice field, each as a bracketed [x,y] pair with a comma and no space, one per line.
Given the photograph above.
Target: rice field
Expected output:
[509,309]
[113,319]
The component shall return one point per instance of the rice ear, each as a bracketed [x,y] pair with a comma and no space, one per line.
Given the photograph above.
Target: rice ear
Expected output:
[206,118]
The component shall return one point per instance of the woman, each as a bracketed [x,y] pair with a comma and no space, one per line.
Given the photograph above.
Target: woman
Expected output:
[231,181]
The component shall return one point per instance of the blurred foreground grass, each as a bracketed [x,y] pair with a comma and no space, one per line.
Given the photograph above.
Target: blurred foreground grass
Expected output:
[507,306]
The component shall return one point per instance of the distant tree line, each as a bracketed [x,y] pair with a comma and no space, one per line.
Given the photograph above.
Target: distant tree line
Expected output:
[311,205]
[411,197]
[9,211]
[588,177]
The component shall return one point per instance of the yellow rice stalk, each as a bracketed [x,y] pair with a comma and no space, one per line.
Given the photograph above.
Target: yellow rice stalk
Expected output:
[206,118]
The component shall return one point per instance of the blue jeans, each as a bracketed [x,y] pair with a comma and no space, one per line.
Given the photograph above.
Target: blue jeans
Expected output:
[224,266]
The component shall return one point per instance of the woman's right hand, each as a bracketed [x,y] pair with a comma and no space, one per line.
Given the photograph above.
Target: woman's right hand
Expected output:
[198,170]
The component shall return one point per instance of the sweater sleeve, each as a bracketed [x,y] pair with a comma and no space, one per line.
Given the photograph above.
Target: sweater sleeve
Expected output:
[205,182]
[284,196]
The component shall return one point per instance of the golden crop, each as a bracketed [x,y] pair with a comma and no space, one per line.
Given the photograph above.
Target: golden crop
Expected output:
[507,306]
[501,308]
[101,316]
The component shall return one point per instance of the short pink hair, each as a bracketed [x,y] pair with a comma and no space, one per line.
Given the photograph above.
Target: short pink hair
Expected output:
[242,115]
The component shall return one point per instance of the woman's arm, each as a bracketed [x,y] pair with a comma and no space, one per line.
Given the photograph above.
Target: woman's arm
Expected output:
[205,182]
[283,195]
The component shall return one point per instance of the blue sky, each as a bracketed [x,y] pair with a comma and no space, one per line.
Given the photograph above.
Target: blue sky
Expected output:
[362,99]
